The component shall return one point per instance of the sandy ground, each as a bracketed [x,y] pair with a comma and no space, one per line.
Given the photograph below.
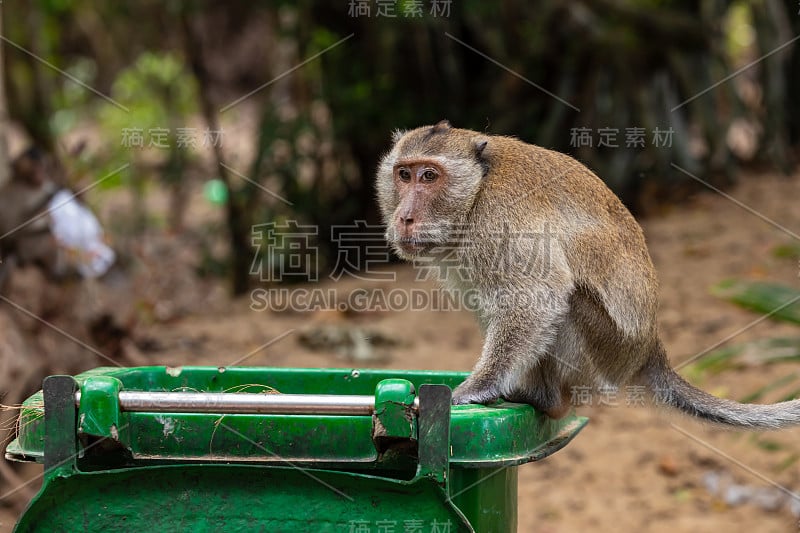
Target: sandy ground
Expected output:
[631,469]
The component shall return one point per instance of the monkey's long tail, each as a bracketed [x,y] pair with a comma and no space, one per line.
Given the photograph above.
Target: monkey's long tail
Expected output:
[672,390]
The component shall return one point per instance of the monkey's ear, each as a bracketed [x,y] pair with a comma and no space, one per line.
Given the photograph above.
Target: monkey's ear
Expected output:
[441,126]
[481,153]
[480,146]
[397,134]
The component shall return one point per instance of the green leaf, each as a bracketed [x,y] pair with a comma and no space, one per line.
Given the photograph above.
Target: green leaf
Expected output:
[793,395]
[780,302]
[758,352]
[788,462]
[787,251]
[769,445]
[778,383]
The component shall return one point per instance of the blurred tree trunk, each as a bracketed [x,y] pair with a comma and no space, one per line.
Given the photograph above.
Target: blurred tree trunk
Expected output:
[4,162]
[238,222]
[40,110]
[792,66]
[772,31]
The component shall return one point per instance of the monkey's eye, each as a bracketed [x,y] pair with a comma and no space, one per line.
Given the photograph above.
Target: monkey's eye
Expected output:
[428,175]
[405,174]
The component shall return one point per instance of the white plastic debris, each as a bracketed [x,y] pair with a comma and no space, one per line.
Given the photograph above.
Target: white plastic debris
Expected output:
[768,498]
[794,505]
[771,499]
[78,232]
[737,494]
[713,482]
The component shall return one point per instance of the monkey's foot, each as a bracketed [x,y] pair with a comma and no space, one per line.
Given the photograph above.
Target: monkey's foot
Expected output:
[474,393]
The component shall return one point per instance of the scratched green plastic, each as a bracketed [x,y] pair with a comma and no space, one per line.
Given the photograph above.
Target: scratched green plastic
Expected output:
[481,436]
[99,409]
[393,409]
[293,473]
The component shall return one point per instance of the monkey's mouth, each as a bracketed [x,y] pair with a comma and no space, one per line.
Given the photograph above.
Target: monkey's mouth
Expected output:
[412,245]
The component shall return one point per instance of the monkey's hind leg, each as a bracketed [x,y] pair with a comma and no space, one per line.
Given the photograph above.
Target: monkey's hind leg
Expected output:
[543,389]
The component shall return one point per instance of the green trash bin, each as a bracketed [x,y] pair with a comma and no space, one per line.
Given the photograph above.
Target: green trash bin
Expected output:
[275,449]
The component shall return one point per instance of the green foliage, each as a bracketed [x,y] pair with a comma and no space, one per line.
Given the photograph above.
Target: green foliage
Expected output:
[789,462]
[787,251]
[740,33]
[156,80]
[766,389]
[72,100]
[160,93]
[761,351]
[780,302]
[625,64]
[768,445]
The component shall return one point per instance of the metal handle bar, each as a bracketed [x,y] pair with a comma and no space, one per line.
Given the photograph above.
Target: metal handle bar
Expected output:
[242,403]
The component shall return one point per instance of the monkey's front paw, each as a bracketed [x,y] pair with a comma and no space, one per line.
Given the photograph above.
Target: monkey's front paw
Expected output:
[469,393]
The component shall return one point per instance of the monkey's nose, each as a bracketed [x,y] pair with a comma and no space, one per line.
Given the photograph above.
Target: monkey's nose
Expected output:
[406,221]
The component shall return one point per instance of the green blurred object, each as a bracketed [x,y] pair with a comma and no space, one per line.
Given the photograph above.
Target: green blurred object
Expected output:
[772,300]
[787,251]
[185,449]
[777,301]
[752,353]
[215,191]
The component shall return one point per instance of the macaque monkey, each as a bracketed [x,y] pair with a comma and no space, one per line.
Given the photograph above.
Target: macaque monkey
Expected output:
[567,290]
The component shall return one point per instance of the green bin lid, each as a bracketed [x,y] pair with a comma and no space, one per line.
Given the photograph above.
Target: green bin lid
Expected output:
[501,434]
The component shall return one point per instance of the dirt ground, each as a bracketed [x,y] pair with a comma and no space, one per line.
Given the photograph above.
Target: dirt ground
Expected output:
[631,469]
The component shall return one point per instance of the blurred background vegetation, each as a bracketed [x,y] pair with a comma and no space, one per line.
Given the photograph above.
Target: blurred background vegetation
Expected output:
[194,122]
[312,135]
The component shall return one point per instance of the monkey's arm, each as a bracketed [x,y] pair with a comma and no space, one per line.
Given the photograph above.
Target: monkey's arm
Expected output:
[517,338]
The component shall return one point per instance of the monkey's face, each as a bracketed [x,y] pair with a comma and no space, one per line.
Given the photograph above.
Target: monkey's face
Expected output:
[420,186]
[427,185]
